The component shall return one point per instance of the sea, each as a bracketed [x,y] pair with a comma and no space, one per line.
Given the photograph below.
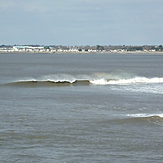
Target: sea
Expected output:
[81,108]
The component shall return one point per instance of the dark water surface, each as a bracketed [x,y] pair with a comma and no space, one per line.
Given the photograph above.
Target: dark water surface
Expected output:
[75,108]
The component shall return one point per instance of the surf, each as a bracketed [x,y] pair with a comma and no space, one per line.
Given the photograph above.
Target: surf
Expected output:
[85,79]
[145,115]
[47,83]
[135,80]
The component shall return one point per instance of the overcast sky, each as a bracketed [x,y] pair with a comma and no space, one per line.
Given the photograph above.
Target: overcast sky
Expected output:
[81,22]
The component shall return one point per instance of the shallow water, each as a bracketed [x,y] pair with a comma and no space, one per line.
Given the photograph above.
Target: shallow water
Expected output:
[81,108]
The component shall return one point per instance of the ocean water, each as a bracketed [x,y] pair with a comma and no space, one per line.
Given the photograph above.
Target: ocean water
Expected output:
[79,108]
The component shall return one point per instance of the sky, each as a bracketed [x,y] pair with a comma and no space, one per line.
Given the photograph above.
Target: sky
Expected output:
[81,22]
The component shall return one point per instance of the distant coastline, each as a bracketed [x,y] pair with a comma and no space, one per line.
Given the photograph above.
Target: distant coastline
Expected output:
[153,49]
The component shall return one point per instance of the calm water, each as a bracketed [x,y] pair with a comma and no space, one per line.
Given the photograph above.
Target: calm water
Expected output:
[75,108]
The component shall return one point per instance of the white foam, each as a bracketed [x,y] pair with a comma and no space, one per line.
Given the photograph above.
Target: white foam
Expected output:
[58,78]
[103,79]
[144,115]
[144,88]
[99,81]
[136,80]
[27,80]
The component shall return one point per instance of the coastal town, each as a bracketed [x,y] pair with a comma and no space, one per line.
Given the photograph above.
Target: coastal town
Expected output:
[80,49]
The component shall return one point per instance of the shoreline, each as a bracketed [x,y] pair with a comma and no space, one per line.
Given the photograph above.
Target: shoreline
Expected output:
[129,52]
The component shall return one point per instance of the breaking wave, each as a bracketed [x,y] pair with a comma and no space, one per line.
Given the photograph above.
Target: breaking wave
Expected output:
[145,115]
[94,79]
[156,119]
[134,119]
[136,80]
[138,119]
[50,83]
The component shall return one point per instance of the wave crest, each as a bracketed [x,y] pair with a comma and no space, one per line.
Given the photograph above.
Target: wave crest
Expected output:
[156,119]
[95,79]
[145,115]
